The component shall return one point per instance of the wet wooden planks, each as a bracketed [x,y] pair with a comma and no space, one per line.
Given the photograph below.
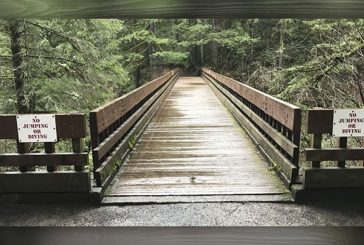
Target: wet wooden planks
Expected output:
[193,146]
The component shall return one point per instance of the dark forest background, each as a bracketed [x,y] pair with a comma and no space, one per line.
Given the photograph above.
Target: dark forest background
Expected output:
[76,65]
[71,65]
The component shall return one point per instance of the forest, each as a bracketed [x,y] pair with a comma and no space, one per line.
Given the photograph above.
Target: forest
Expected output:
[63,65]
[67,65]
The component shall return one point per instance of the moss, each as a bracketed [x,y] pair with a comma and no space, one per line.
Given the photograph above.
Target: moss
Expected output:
[132,142]
[275,168]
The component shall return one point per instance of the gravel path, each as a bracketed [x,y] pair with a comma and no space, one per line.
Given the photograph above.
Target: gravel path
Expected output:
[198,214]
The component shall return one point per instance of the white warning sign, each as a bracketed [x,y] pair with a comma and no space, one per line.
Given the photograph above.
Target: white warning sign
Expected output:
[348,123]
[36,128]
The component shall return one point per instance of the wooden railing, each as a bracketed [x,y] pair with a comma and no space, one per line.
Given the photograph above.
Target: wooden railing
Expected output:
[320,122]
[68,126]
[274,124]
[116,126]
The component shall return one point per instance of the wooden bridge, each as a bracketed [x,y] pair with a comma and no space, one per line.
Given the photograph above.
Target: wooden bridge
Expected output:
[194,149]
[184,139]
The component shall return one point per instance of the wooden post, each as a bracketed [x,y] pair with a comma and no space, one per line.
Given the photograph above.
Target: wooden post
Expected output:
[343,143]
[362,145]
[50,148]
[297,141]
[23,148]
[290,135]
[284,132]
[77,148]
[296,136]
[316,143]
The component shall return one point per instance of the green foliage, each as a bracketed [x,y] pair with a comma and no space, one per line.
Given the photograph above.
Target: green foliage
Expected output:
[65,62]
[171,58]
[77,65]
[330,71]
[132,142]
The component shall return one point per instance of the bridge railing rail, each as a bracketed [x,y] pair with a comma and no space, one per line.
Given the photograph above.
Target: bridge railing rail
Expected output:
[274,124]
[319,123]
[116,126]
[27,171]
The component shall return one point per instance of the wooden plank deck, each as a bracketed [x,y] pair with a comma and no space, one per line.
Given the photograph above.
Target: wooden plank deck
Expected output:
[193,147]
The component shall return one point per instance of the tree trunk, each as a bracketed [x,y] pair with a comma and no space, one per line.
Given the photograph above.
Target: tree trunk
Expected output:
[137,77]
[151,50]
[242,66]
[201,54]
[360,87]
[214,46]
[18,65]
[281,44]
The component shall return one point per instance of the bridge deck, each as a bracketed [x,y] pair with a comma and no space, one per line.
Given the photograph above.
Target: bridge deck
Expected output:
[194,147]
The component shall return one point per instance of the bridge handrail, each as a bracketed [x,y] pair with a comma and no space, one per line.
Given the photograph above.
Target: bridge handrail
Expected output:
[319,122]
[282,111]
[109,113]
[316,154]
[27,179]
[273,123]
[111,124]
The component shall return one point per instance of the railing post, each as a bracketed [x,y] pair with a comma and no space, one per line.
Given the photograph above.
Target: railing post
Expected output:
[297,136]
[95,138]
[50,148]
[23,148]
[316,140]
[343,143]
[77,148]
